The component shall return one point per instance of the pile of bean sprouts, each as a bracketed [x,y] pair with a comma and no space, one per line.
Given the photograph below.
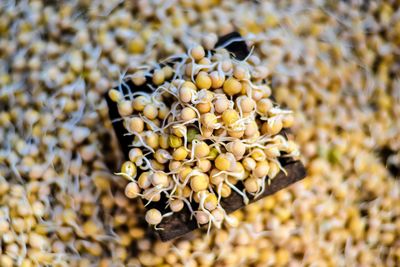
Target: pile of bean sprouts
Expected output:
[207,128]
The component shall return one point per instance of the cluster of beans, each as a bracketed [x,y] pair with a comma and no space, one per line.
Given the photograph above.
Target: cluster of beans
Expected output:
[334,63]
[208,124]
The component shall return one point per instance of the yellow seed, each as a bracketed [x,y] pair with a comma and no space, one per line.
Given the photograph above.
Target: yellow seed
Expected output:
[189,70]
[222,162]
[150,111]
[206,132]
[163,112]
[132,190]
[217,79]
[258,154]
[125,108]
[249,164]
[239,169]
[266,90]
[136,124]
[136,46]
[6,261]
[168,72]
[221,104]
[264,105]
[251,129]
[4,226]
[260,72]
[158,77]
[246,104]
[201,150]
[282,257]
[236,133]
[153,216]
[211,202]
[95,249]
[225,190]
[237,148]
[288,121]
[246,88]
[180,153]
[157,165]
[199,182]
[209,120]
[232,86]
[203,81]
[216,179]
[204,61]
[209,41]
[197,52]
[144,180]
[115,95]
[230,116]
[202,217]
[174,141]
[162,156]
[204,165]
[152,140]
[184,172]
[226,65]
[91,228]
[26,263]
[138,78]
[251,185]
[257,94]
[151,195]
[204,107]
[185,94]
[189,84]
[140,102]
[179,130]
[264,128]
[232,180]
[186,192]
[159,178]
[174,165]
[163,141]
[176,205]
[261,170]
[188,114]
[240,72]
[18,224]
[272,152]
[274,127]
[213,154]
[129,168]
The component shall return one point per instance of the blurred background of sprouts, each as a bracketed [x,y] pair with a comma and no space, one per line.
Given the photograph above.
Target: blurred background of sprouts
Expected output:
[335,64]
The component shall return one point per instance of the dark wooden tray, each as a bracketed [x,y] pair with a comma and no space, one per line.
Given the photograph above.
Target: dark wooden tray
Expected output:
[180,223]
